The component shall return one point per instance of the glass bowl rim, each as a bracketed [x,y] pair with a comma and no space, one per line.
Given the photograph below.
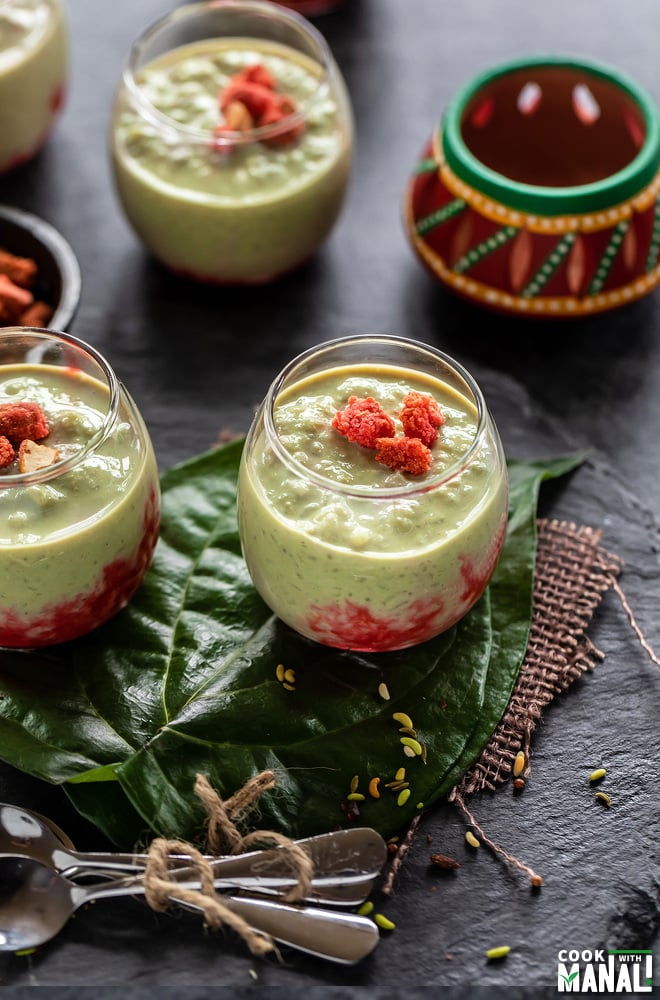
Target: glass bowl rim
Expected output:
[541,199]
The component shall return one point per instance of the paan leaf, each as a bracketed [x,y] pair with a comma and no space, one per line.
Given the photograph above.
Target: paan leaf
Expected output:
[183,681]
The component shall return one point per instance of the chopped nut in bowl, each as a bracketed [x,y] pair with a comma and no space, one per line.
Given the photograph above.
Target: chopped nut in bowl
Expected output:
[39,273]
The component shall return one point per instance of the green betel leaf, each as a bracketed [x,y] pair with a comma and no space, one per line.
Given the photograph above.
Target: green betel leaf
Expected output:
[184,681]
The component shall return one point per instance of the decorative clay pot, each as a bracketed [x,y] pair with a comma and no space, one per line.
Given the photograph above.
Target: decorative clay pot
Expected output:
[538,192]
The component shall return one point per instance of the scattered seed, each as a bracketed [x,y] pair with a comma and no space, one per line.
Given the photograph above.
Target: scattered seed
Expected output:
[400,774]
[409,752]
[403,719]
[472,840]
[396,786]
[536,880]
[604,798]
[501,952]
[279,672]
[596,775]
[373,788]
[420,805]
[384,922]
[392,848]
[519,783]
[425,753]
[408,731]
[355,781]
[366,909]
[392,840]
[442,861]
[356,797]
[290,676]
[25,951]
[383,691]
[519,763]
[253,974]
[403,797]
[288,687]
[416,747]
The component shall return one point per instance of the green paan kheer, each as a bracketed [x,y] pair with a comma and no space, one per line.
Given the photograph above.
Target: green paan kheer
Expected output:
[33,66]
[368,557]
[74,545]
[244,214]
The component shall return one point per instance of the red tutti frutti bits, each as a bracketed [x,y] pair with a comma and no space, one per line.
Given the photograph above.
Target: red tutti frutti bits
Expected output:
[420,417]
[256,98]
[257,73]
[253,90]
[364,422]
[281,109]
[7,453]
[406,454]
[23,420]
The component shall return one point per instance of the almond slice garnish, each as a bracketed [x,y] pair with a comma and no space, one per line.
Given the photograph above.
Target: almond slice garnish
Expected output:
[33,456]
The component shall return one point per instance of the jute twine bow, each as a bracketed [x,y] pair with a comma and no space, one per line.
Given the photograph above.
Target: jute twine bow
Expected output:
[162,888]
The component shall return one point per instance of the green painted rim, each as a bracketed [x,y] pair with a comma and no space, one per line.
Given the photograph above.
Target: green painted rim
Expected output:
[542,200]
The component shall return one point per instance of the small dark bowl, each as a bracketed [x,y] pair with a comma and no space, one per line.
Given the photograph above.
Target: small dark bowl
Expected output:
[59,281]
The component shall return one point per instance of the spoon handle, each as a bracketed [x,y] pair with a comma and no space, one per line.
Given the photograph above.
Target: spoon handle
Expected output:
[339,937]
[356,854]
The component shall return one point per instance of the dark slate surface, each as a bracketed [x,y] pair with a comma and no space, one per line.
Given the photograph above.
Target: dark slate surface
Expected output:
[198,360]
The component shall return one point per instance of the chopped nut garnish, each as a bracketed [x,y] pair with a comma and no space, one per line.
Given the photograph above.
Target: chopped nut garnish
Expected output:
[33,456]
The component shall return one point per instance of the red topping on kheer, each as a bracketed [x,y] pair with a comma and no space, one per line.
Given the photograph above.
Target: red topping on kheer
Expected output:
[421,416]
[363,421]
[23,420]
[7,453]
[250,101]
[405,454]
[256,73]
[256,98]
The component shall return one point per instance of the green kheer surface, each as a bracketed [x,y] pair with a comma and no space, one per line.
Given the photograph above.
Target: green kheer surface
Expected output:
[55,535]
[303,419]
[184,85]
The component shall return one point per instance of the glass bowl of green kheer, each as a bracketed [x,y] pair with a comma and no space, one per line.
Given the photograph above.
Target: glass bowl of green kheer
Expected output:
[231,140]
[373,494]
[79,493]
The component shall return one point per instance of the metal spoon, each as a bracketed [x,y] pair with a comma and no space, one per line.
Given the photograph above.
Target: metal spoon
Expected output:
[345,862]
[36,902]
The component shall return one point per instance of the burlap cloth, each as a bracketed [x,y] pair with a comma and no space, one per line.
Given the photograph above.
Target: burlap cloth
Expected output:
[572,573]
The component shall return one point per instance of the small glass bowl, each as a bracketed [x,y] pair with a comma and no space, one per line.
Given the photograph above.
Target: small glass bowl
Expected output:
[345,550]
[76,536]
[34,54]
[538,192]
[218,200]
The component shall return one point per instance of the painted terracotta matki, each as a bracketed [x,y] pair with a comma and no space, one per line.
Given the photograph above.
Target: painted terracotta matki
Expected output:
[539,193]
